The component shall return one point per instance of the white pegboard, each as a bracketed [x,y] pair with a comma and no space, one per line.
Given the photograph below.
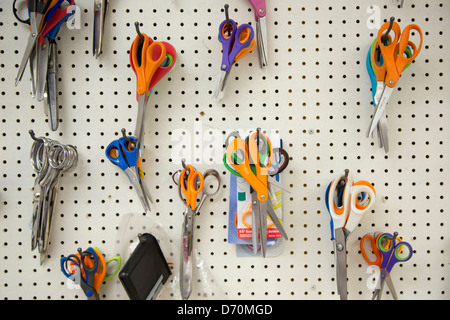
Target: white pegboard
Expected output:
[315,91]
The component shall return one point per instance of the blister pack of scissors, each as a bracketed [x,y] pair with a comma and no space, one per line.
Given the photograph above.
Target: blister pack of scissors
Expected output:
[45,20]
[257,216]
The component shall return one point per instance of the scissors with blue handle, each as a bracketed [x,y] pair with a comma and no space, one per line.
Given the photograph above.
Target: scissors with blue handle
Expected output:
[86,264]
[89,269]
[236,43]
[394,252]
[124,153]
[394,62]
[347,202]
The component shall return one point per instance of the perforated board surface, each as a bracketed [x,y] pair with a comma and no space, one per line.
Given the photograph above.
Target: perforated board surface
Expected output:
[315,92]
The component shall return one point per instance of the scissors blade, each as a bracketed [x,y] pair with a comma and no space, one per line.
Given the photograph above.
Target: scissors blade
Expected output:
[51,101]
[255,221]
[220,90]
[135,179]
[42,62]
[261,34]
[382,132]
[100,10]
[273,216]
[263,226]
[380,108]
[382,124]
[31,45]
[391,287]
[340,252]
[140,117]
[33,72]
[186,254]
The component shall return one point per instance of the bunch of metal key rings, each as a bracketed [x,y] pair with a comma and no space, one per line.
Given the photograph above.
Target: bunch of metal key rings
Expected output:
[49,159]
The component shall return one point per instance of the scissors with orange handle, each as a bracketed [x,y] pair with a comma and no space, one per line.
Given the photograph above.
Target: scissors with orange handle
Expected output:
[145,56]
[191,184]
[395,62]
[236,43]
[347,202]
[252,159]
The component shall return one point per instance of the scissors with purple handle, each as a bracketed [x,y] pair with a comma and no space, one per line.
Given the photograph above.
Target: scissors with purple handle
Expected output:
[393,253]
[236,41]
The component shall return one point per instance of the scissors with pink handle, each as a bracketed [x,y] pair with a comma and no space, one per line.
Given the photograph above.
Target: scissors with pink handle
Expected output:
[259,7]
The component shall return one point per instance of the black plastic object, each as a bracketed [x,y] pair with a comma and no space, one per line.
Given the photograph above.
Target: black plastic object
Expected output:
[146,271]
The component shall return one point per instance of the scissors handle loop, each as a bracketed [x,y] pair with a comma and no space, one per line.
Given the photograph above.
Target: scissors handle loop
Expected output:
[373,247]
[403,61]
[393,56]
[239,147]
[192,186]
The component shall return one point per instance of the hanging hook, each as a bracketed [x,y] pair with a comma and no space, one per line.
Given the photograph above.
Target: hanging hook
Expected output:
[33,136]
[131,142]
[391,24]
[227,17]
[138,31]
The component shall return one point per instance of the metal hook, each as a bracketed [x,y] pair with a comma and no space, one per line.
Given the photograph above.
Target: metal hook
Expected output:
[33,136]
[391,24]
[227,17]
[130,141]
[138,31]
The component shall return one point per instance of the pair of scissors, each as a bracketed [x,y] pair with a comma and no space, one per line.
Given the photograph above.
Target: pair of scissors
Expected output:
[191,184]
[388,250]
[37,10]
[259,8]
[236,43]
[100,11]
[124,153]
[43,61]
[252,160]
[88,269]
[395,62]
[374,58]
[347,202]
[150,61]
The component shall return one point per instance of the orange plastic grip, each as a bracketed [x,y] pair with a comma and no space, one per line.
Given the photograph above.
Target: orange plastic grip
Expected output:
[402,61]
[140,50]
[373,246]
